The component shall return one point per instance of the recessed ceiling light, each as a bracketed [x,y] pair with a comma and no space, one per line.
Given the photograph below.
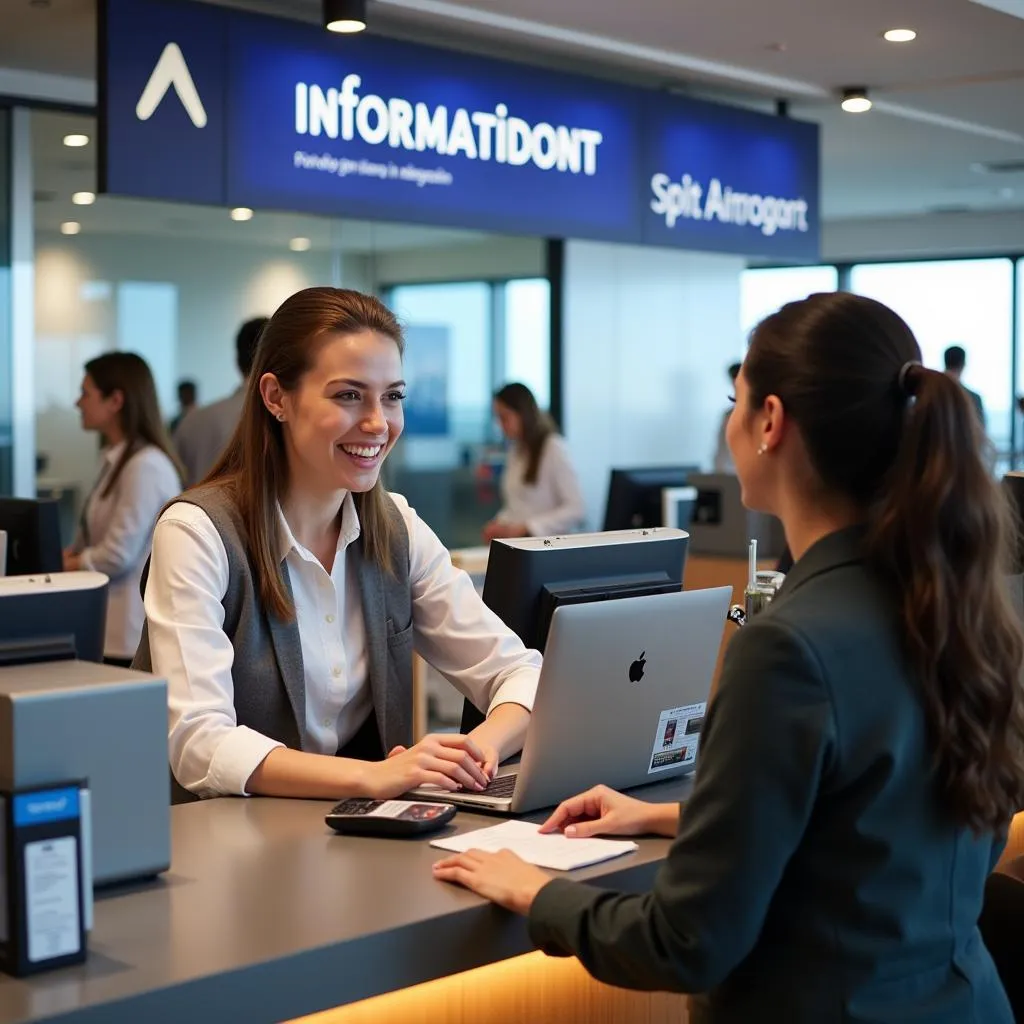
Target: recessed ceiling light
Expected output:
[241,213]
[299,244]
[346,16]
[75,140]
[70,227]
[83,198]
[855,100]
[899,35]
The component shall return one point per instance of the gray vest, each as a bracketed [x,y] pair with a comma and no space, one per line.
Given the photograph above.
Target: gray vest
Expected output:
[269,683]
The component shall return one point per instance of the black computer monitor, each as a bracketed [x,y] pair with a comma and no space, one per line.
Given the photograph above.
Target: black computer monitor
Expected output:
[529,577]
[52,617]
[33,535]
[634,495]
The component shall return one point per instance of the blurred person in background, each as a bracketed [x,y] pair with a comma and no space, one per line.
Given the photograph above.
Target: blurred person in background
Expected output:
[723,457]
[955,359]
[139,475]
[186,402]
[539,488]
[204,433]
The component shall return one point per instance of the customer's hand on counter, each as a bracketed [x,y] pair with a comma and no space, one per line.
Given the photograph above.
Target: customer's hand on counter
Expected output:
[501,877]
[604,812]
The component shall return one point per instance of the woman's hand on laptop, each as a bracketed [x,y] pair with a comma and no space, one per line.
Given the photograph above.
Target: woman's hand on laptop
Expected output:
[446,760]
[604,812]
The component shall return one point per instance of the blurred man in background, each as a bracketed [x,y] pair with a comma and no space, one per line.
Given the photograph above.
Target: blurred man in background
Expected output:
[203,434]
[186,403]
[956,359]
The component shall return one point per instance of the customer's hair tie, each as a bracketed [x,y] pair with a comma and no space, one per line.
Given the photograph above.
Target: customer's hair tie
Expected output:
[906,379]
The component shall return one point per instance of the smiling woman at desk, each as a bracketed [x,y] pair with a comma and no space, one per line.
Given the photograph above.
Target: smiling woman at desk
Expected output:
[287,591]
[865,752]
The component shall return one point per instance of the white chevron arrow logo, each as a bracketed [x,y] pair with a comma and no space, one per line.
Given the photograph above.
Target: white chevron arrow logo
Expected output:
[171,69]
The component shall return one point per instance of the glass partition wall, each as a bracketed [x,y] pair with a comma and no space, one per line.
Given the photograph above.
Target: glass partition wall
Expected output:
[973,303]
[956,302]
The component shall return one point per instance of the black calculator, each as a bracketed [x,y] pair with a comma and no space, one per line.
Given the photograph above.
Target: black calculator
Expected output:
[364,817]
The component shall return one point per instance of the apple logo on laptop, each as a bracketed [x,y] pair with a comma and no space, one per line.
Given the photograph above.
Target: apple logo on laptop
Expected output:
[636,670]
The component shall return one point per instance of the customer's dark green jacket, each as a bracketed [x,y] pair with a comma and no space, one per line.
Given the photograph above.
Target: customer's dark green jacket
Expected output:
[816,876]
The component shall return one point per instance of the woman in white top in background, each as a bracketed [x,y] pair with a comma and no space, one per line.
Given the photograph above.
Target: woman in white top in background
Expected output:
[540,489]
[139,475]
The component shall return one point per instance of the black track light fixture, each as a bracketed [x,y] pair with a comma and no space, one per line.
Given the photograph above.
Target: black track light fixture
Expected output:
[345,15]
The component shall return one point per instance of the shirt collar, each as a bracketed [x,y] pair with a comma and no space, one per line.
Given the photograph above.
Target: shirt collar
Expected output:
[350,530]
[114,452]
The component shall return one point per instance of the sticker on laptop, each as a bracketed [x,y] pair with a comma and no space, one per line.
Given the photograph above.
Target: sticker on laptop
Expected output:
[677,738]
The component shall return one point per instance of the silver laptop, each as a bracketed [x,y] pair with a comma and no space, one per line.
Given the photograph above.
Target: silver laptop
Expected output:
[621,700]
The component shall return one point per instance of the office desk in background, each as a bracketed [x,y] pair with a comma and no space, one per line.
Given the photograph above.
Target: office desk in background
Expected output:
[266,915]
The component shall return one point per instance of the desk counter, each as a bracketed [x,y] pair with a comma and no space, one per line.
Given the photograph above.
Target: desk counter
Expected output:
[267,915]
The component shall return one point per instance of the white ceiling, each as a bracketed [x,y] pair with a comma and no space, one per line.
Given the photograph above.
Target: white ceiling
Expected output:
[946,104]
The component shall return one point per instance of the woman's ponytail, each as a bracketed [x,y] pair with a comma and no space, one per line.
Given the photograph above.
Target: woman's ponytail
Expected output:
[941,532]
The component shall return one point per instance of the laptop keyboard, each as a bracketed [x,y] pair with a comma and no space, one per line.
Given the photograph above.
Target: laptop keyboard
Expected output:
[500,788]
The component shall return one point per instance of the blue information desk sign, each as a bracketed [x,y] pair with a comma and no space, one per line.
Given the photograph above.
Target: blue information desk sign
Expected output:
[722,178]
[205,104]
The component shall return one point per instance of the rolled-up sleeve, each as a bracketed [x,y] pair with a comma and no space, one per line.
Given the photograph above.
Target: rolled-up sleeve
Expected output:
[210,754]
[457,633]
[770,737]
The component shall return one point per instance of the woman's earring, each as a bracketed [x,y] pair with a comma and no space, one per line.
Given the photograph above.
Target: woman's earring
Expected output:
[763,448]
[280,417]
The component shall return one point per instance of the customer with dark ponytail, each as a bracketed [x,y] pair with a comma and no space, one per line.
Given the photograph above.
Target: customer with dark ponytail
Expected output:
[865,752]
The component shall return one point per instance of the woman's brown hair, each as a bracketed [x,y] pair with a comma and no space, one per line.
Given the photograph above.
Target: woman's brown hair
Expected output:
[140,409]
[903,443]
[538,426]
[255,466]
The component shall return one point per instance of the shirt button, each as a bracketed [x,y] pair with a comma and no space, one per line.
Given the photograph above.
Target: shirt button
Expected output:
[336,671]
[329,618]
[327,723]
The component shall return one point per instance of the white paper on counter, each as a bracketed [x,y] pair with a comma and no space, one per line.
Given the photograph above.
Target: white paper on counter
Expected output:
[546,851]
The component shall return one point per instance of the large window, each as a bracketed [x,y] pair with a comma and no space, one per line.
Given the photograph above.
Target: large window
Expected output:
[448,341]
[956,302]
[527,336]
[764,291]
